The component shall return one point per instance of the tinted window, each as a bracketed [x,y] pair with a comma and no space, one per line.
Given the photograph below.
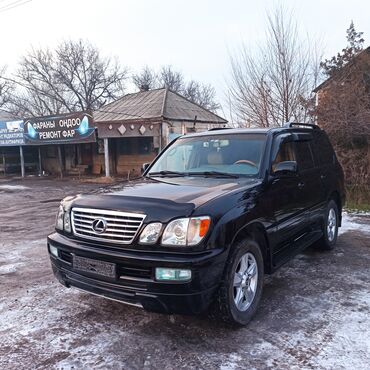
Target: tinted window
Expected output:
[324,151]
[285,153]
[304,155]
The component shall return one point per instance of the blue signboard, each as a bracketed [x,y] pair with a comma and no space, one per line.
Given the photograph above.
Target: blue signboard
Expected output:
[11,133]
[61,129]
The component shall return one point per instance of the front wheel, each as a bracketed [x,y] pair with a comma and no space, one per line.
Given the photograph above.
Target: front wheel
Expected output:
[241,289]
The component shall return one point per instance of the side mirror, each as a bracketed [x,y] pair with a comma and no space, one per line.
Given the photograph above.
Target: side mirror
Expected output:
[144,167]
[286,168]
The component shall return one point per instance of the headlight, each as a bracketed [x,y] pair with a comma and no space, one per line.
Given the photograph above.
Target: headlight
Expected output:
[186,231]
[59,224]
[67,222]
[150,234]
[63,221]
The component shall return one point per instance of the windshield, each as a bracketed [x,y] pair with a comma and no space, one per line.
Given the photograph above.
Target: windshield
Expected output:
[237,155]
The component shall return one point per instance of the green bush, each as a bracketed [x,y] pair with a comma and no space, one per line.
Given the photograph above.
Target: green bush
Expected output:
[358,197]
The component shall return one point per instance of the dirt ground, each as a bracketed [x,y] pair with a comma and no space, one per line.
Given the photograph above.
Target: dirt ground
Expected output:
[315,312]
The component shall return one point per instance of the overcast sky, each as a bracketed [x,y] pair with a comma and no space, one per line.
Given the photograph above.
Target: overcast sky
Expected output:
[195,36]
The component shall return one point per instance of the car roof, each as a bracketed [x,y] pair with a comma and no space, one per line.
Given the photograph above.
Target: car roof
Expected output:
[230,131]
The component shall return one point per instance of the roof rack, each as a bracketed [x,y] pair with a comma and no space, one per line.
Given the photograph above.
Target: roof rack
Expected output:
[292,124]
[219,128]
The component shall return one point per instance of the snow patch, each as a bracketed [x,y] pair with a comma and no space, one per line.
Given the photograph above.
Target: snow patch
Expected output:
[10,268]
[232,362]
[352,223]
[13,187]
[350,342]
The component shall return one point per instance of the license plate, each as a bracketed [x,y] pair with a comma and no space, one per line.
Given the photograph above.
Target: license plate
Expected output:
[94,266]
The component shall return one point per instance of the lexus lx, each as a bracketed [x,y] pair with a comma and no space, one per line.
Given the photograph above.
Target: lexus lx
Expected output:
[212,214]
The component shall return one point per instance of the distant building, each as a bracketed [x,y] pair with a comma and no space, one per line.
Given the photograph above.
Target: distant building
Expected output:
[357,68]
[137,126]
[129,132]
[10,161]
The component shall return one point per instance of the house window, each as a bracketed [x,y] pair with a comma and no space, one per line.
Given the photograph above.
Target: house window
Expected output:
[135,145]
[125,146]
[145,145]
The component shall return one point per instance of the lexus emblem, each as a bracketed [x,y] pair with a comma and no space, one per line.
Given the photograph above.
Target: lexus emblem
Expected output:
[99,225]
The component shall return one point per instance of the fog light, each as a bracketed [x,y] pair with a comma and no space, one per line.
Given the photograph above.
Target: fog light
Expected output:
[172,274]
[53,250]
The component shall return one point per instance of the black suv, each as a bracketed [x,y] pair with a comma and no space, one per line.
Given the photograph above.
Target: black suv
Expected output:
[210,216]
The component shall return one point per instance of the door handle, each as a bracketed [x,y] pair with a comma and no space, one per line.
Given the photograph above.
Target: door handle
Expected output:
[301,185]
[322,177]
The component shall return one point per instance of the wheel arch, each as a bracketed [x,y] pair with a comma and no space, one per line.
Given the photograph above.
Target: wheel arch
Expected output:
[256,232]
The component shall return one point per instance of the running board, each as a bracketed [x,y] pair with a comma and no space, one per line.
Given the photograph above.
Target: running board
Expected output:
[296,247]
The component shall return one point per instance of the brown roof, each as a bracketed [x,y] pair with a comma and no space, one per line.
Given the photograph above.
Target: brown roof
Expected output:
[160,103]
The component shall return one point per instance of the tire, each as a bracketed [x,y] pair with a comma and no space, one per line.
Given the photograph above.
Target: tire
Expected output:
[243,257]
[330,227]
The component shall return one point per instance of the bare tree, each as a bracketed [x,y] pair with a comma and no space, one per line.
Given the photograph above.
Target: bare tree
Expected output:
[174,80]
[6,88]
[202,94]
[146,79]
[72,77]
[271,86]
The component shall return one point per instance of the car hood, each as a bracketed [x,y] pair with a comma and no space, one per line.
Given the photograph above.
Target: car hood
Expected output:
[162,199]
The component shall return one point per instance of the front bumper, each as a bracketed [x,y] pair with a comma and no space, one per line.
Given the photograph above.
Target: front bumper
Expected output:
[135,282]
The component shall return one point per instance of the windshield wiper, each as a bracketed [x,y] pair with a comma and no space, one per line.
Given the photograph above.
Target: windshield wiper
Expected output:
[195,173]
[213,174]
[167,173]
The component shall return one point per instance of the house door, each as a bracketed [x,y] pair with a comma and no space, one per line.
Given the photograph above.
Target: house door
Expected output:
[86,154]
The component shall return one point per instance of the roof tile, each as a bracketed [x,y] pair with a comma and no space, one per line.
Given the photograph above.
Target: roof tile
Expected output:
[159,103]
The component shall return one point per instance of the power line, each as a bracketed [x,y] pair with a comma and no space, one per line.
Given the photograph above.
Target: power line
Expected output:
[14,4]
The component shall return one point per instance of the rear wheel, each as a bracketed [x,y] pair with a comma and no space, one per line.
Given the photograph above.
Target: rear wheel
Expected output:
[330,227]
[241,289]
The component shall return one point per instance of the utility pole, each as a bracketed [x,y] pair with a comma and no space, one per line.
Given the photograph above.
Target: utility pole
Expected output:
[106,157]
[22,161]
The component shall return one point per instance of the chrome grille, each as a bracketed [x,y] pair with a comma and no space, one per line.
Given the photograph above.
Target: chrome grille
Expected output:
[121,227]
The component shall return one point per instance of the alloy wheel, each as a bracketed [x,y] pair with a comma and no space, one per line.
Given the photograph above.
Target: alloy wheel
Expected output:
[245,281]
[331,225]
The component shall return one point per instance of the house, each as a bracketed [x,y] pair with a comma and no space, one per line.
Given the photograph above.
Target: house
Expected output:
[357,70]
[11,130]
[119,137]
[343,110]
[133,129]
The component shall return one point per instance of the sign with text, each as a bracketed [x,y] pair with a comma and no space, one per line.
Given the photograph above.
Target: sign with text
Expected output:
[11,133]
[69,128]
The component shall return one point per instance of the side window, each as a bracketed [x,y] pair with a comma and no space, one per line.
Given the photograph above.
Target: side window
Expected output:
[324,152]
[284,153]
[305,159]
[178,159]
